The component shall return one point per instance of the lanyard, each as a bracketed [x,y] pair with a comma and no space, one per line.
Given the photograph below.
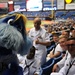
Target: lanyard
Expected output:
[66,55]
[28,66]
[69,67]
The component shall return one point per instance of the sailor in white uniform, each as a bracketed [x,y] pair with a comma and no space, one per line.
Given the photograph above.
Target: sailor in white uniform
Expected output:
[69,66]
[27,62]
[60,64]
[40,41]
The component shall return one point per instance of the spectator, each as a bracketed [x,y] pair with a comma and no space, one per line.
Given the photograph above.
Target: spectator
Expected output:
[54,42]
[69,67]
[27,62]
[60,64]
[72,32]
[65,33]
[59,48]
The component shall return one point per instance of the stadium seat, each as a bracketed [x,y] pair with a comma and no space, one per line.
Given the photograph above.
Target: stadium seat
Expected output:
[46,69]
[50,48]
[57,59]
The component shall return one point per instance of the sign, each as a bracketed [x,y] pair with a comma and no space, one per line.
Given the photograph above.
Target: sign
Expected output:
[21,6]
[34,5]
[70,6]
[49,5]
[60,4]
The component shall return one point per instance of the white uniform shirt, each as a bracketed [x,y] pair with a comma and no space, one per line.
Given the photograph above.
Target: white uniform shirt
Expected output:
[61,62]
[64,69]
[23,62]
[42,36]
[58,49]
[41,51]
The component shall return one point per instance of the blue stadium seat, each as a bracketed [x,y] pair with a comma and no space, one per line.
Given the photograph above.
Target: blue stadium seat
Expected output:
[46,69]
[57,59]
[50,48]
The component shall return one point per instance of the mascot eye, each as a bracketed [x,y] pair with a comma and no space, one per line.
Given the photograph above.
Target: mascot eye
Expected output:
[10,21]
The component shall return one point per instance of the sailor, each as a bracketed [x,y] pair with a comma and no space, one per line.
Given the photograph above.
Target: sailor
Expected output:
[69,66]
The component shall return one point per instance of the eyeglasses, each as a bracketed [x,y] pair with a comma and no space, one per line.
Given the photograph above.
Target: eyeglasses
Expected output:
[73,45]
[61,42]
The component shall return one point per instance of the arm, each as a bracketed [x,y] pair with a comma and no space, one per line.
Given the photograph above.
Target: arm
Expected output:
[43,39]
[55,55]
[59,65]
[51,55]
[61,72]
[46,43]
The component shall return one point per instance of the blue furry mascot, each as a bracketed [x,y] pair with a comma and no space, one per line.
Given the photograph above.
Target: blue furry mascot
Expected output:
[13,39]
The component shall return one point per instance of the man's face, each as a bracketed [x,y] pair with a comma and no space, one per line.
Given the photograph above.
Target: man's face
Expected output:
[62,43]
[36,24]
[65,33]
[71,47]
[55,39]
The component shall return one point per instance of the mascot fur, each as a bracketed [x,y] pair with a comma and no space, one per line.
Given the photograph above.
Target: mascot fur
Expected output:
[13,38]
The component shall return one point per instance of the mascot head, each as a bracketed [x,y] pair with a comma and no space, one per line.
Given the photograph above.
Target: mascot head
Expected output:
[13,24]
[17,20]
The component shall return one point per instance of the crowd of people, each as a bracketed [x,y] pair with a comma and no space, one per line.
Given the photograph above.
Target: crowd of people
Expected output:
[57,39]
[57,34]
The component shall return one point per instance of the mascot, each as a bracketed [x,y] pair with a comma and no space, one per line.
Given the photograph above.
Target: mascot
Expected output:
[13,39]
